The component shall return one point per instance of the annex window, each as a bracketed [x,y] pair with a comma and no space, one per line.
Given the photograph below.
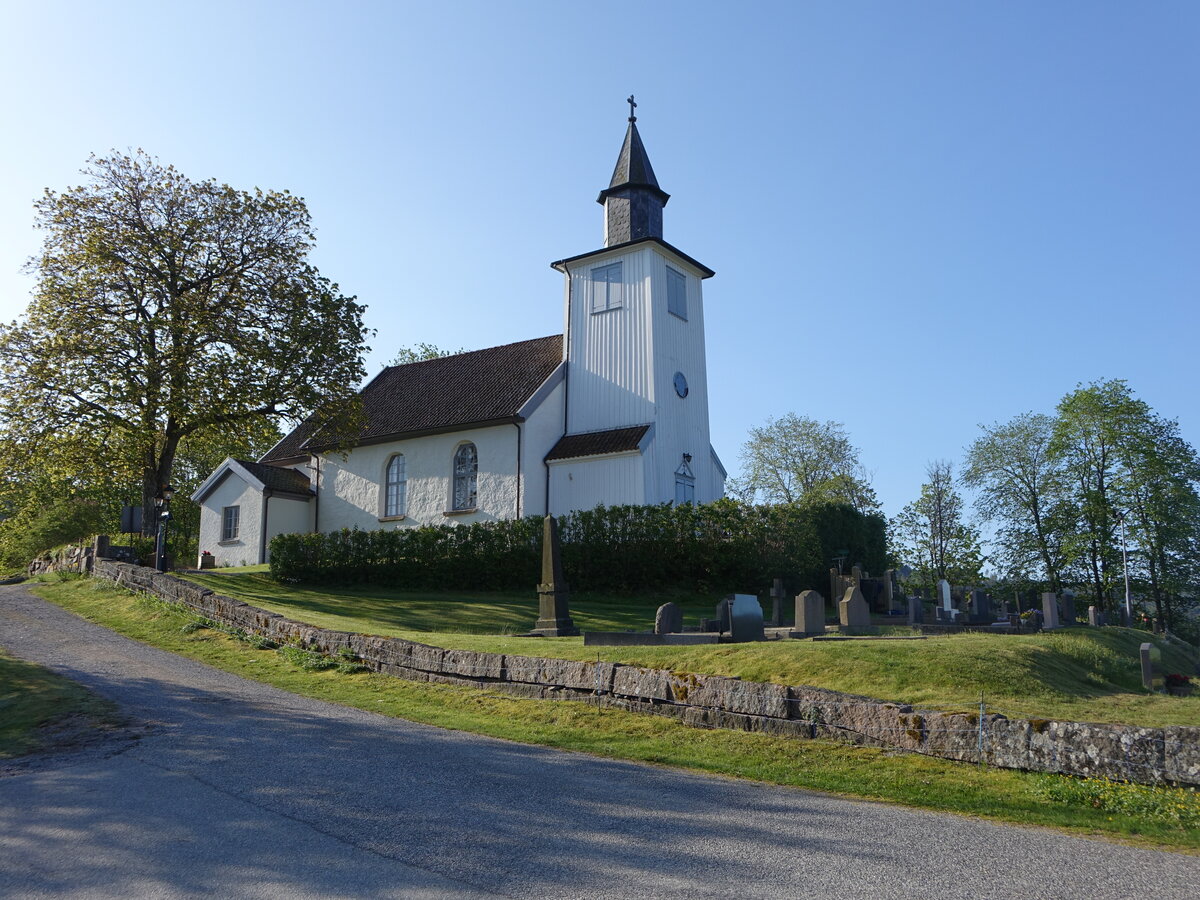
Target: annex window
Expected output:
[606,287]
[466,473]
[230,520]
[676,293]
[395,496]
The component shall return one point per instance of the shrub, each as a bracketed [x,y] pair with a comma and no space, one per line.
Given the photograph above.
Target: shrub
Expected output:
[714,548]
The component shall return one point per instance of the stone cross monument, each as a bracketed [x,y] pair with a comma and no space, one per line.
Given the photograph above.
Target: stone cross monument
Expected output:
[554,618]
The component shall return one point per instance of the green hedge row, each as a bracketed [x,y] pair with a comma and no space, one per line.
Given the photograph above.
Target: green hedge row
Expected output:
[715,548]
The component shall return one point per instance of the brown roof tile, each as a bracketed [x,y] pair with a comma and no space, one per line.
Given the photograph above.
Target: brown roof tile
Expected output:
[444,393]
[597,443]
[278,478]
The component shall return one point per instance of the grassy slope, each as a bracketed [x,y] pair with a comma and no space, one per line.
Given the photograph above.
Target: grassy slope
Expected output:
[857,771]
[39,708]
[1082,674]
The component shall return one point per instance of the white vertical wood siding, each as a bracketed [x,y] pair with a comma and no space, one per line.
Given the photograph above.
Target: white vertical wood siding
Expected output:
[623,364]
[588,482]
[682,423]
[611,353]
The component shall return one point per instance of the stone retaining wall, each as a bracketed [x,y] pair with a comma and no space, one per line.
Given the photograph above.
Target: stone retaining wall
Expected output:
[1146,755]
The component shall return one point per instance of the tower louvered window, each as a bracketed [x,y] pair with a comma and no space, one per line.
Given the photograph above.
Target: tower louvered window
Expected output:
[607,287]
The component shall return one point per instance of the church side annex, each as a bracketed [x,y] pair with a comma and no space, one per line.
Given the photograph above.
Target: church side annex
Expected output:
[613,411]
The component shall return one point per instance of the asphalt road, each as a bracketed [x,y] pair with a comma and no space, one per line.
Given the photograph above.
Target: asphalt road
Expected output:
[236,789]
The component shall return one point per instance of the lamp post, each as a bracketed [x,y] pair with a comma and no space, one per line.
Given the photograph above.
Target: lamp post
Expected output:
[1125,566]
[162,502]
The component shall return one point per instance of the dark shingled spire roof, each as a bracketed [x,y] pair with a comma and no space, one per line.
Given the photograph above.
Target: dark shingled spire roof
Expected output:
[633,169]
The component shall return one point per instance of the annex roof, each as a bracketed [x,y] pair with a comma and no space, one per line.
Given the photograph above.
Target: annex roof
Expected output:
[276,479]
[598,443]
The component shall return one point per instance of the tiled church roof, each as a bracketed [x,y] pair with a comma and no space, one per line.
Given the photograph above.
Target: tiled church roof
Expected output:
[443,394]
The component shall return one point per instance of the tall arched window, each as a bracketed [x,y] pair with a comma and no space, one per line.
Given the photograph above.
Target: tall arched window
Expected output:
[466,471]
[395,490]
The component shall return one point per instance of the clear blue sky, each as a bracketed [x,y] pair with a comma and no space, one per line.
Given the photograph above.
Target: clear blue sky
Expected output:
[923,216]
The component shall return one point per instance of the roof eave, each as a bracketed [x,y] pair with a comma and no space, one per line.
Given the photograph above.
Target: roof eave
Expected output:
[705,271]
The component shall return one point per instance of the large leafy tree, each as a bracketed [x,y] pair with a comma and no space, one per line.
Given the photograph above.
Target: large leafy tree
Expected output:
[1022,487]
[1091,437]
[167,308]
[933,536]
[796,459]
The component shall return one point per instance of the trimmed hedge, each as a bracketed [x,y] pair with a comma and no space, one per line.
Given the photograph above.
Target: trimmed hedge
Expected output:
[715,548]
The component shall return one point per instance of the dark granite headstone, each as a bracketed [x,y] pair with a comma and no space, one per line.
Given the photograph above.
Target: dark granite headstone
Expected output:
[777,603]
[668,619]
[745,618]
[1068,607]
[981,608]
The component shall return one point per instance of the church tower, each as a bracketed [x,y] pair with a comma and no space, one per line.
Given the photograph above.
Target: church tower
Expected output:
[636,417]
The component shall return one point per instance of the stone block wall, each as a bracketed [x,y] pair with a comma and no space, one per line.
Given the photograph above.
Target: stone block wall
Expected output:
[1145,755]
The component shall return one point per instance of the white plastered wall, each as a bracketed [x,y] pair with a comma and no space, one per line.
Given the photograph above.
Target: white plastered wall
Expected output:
[244,549]
[351,489]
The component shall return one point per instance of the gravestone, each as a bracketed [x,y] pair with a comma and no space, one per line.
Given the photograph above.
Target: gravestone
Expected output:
[554,616]
[1049,610]
[668,619]
[889,591]
[721,616]
[745,618]
[853,614]
[1095,617]
[1068,607]
[810,613]
[1152,674]
[945,601]
[916,611]
[981,607]
[777,603]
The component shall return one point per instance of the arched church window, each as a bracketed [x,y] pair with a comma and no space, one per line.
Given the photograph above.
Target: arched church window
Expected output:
[395,496]
[466,472]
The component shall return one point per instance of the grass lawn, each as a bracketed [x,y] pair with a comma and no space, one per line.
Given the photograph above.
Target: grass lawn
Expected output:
[1089,675]
[1159,817]
[39,709]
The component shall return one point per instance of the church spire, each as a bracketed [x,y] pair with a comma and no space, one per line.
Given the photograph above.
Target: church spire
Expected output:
[633,202]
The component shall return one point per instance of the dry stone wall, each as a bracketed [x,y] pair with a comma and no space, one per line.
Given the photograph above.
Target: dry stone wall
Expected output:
[1146,755]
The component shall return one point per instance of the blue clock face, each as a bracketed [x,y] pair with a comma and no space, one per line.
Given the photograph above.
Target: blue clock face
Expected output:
[681,387]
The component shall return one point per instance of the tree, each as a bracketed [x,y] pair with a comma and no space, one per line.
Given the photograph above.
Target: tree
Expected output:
[932,535]
[165,308]
[420,352]
[797,459]
[1022,486]
[1088,436]
[1159,500]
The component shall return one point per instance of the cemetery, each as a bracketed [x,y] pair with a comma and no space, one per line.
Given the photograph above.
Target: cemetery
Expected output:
[967,685]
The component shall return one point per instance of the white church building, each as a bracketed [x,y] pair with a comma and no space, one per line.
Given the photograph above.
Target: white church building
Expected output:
[613,411]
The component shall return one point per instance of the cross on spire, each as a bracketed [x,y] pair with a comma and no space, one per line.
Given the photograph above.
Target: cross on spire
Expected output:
[632,107]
